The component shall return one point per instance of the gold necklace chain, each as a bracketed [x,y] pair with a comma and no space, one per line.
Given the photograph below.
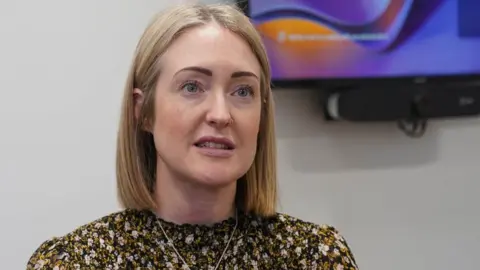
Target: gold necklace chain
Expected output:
[170,242]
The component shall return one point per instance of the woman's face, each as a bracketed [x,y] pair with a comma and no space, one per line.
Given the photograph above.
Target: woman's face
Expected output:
[207,107]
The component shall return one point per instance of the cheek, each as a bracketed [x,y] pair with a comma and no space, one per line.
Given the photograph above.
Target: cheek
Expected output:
[249,129]
[170,124]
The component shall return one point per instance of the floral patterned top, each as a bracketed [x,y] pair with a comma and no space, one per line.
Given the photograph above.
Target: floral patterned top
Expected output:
[133,239]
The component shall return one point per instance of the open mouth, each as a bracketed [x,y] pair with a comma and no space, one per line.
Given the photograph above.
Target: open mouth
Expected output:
[214,145]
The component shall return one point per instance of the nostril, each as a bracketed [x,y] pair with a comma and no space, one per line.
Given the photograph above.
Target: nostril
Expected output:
[220,121]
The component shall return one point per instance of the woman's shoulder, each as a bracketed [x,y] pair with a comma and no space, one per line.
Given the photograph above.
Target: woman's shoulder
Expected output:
[285,224]
[88,244]
[325,242]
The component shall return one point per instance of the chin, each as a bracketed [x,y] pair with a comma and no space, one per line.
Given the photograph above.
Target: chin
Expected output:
[214,179]
[215,175]
[216,172]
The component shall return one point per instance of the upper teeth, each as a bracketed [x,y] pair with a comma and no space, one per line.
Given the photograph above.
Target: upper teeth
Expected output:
[213,145]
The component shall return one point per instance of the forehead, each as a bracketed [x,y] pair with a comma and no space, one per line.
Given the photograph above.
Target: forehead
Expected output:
[211,46]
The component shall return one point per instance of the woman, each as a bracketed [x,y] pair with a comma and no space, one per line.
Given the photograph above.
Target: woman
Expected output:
[196,163]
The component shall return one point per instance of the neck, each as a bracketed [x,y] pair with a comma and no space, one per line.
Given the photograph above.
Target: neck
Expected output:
[185,202]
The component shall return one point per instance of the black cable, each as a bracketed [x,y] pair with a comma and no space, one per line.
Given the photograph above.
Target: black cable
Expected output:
[414,127]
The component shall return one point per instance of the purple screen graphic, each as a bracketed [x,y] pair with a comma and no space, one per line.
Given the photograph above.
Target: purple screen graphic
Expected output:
[309,39]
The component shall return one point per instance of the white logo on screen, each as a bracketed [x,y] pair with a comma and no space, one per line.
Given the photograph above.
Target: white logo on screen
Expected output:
[282,36]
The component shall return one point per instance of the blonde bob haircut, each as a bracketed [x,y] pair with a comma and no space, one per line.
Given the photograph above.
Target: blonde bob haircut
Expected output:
[136,154]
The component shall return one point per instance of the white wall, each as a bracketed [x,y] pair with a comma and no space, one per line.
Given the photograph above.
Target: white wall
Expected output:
[401,203]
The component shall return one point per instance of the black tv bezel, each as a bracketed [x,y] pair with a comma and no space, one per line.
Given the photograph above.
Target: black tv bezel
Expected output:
[346,82]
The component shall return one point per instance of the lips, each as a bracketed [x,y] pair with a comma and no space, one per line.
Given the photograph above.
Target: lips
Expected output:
[215,143]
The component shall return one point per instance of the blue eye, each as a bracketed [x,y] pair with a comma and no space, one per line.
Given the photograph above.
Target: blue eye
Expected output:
[244,91]
[190,87]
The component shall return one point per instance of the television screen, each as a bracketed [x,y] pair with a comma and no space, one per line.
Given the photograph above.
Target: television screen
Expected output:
[337,39]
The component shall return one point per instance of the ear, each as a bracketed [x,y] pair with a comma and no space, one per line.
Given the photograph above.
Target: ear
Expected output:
[138,98]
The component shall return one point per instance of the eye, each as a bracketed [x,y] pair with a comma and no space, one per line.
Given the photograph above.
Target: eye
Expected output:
[244,91]
[191,87]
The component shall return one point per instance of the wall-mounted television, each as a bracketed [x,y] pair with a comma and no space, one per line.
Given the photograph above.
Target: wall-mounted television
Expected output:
[345,40]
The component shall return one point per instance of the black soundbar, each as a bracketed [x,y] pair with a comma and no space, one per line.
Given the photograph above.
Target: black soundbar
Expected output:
[380,104]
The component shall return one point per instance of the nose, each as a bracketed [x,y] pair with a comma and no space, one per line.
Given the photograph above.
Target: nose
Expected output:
[219,115]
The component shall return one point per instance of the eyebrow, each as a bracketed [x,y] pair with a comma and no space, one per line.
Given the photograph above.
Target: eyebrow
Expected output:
[208,72]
